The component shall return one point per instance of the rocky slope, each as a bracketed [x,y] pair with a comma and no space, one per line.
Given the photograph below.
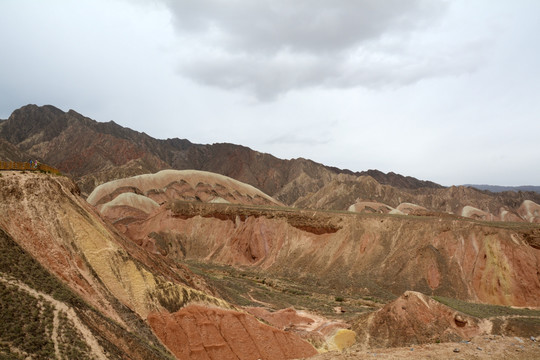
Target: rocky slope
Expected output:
[448,255]
[116,295]
[94,153]
[417,326]
[415,318]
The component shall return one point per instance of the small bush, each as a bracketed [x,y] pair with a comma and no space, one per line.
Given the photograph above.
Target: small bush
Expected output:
[339,299]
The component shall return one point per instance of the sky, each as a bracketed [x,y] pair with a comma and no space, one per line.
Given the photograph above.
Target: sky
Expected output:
[442,90]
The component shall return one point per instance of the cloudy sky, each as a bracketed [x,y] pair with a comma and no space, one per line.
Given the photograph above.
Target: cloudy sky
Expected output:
[447,91]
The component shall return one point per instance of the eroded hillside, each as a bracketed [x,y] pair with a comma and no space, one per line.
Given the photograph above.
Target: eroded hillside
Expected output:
[125,292]
[491,262]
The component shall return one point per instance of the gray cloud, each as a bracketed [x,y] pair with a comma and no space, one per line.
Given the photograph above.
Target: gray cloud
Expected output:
[271,47]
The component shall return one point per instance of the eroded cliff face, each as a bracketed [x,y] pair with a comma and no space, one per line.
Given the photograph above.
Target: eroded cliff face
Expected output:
[456,257]
[45,216]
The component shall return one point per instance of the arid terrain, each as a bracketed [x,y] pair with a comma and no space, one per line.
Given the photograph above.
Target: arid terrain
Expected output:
[156,249]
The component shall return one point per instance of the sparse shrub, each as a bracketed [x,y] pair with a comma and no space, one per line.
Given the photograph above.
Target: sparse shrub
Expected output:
[339,299]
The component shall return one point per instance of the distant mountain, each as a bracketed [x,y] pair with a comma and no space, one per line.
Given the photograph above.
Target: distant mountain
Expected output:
[94,153]
[498,188]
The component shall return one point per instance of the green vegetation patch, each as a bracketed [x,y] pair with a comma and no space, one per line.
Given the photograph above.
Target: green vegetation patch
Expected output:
[247,287]
[28,321]
[17,263]
[485,311]
[26,324]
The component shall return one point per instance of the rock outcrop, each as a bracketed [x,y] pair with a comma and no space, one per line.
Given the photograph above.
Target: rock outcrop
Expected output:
[187,185]
[326,334]
[414,318]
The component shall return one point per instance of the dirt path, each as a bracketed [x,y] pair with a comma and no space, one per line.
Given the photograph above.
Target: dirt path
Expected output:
[89,338]
[56,322]
[269,306]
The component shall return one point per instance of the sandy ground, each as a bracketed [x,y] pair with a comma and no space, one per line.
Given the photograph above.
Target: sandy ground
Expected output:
[483,347]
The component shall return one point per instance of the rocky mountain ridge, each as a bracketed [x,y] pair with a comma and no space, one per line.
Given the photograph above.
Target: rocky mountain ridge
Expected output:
[498,188]
[345,193]
[93,153]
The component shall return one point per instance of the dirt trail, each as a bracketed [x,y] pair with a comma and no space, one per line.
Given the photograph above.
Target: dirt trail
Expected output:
[89,338]
[56,322]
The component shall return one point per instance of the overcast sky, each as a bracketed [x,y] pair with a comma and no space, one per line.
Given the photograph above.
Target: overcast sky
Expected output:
[447,91]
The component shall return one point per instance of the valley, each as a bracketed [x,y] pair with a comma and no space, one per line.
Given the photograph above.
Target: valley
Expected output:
[137,248]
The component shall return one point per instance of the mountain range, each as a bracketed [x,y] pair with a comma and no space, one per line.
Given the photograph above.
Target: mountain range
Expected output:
[499,188]
[164,249]
[93,153]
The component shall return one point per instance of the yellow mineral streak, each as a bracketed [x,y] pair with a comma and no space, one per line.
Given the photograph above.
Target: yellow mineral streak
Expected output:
[128,281]
[342,339]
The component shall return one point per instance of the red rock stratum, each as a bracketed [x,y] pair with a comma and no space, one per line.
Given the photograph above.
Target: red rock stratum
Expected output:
[202,333]
[389,254]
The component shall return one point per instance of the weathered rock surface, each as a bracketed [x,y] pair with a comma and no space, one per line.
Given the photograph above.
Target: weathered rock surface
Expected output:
[197,332]
[325,334]
[414,318]
[530,211]
[372,207]
[187,185]
[45,215]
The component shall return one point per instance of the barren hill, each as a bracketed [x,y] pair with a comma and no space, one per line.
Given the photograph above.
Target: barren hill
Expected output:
[9,152]
[94,153]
